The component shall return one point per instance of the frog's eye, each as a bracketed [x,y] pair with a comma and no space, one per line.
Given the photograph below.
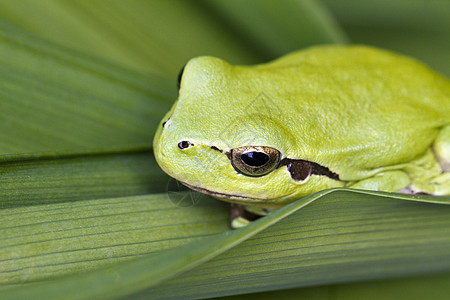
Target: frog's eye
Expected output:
[180,75]
[184,145]
[255,160]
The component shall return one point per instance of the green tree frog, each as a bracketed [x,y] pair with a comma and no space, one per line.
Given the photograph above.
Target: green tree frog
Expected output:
[328,116]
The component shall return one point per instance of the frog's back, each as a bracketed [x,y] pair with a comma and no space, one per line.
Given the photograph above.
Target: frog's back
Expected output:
[356,100]
[382,70]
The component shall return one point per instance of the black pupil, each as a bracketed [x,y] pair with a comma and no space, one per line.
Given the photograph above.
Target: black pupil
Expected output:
[255,159]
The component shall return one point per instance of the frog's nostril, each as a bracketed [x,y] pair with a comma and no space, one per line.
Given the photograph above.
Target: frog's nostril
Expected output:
[184,145]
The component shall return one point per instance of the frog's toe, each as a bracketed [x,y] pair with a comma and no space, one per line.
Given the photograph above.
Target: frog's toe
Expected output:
[239,222]
[241,216]
[437,186]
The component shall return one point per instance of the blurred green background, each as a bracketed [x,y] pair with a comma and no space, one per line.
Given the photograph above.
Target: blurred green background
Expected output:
[160,36]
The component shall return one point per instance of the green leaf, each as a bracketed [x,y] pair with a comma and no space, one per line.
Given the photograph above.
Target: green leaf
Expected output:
[54,100]
[332,236]
[46,241]
[63,179]
[156,36]
[431,287]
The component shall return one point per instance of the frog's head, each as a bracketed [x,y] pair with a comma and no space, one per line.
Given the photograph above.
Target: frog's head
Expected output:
[226,136]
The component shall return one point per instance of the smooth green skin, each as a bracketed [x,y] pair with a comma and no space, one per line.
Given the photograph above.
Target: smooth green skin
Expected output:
[369,115]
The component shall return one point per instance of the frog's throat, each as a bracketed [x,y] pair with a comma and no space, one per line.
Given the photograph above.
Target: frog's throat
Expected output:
[234,197]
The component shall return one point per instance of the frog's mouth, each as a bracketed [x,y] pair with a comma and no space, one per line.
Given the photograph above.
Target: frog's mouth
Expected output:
[230,197]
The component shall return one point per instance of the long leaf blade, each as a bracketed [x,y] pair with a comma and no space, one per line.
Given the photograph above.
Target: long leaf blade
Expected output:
[72,178]
[414,238]
[53,100]
[342,236]
[155,36]
[47,241]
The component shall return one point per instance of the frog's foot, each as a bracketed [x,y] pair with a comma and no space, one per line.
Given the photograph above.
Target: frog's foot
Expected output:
[441,149]
[242,215]
[437,186]
[389,181]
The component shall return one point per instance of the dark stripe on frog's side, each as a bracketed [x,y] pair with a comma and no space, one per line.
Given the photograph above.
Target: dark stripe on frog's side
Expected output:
[301,169]
[217,149]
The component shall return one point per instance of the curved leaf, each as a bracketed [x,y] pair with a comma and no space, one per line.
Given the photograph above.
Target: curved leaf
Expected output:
[330,237]
[341,237]
[47,241]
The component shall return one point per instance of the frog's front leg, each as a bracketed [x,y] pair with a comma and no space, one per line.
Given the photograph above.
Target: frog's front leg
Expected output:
[441,148]
[440,183]
[388,181]
[437,186]
[242,215]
